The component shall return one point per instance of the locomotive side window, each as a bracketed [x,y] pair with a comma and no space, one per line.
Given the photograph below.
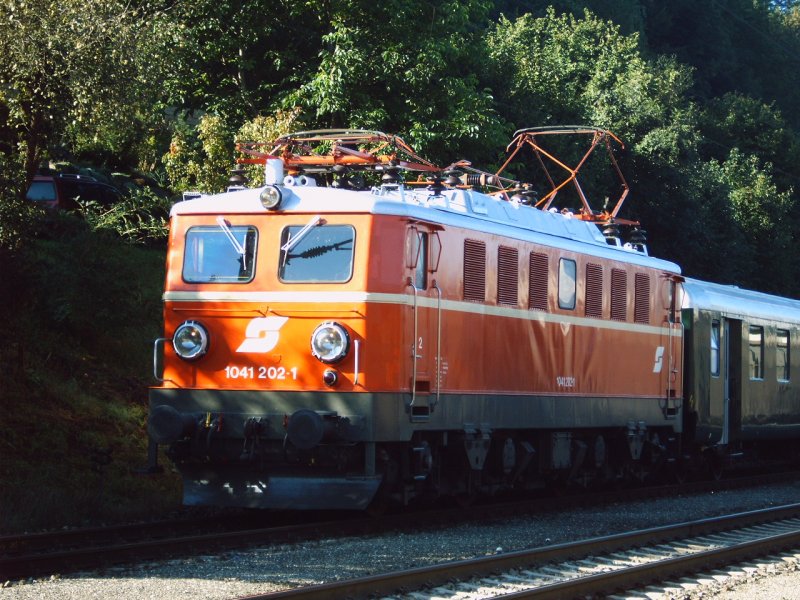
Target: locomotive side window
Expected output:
[566,283]
[537,282]
[317,254]
[671,303]
[756,352]
[715,348]
[782,358]
[421,269]
[594,290]
[507,275]
[224,254]
[474,270]
[619,294]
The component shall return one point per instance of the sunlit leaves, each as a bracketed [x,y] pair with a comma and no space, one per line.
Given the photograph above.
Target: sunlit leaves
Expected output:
[77,69]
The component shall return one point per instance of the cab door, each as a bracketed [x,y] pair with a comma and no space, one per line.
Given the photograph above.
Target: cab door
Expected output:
[423,329]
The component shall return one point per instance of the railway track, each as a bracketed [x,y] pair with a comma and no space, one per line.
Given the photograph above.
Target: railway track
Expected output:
[601,565]
[69,551]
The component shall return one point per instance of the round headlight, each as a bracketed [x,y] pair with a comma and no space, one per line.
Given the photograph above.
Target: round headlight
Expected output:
[271,197]
[330,342]
[190,340]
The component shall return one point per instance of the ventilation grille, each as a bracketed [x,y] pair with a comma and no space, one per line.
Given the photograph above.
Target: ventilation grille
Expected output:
[594,290]
[641,298]
[474,270]
[619,295]
[507,275]
[537,286]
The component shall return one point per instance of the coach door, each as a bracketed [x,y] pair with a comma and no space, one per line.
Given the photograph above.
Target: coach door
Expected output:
[732,385]
[425,325]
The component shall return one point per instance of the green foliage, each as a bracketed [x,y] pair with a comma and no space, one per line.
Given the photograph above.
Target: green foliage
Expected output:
[416,74]
[19,222]
[80,71]
[141,217]
[200,159]
[86,308]
[733,46]
[264,130]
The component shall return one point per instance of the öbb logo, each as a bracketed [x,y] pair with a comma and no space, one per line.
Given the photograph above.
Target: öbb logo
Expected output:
[262,334]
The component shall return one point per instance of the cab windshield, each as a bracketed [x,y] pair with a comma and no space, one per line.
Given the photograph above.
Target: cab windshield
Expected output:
[316,253]
[215,254]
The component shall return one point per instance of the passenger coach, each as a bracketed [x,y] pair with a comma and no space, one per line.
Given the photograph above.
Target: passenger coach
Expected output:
[741,387]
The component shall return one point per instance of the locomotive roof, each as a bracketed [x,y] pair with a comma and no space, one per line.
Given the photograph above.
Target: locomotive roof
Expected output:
[737,302]
[464,208]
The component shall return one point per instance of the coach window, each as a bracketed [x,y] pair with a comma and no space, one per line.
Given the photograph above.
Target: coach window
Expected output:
[756,352]
[782,359]
[566,283]
[715,348]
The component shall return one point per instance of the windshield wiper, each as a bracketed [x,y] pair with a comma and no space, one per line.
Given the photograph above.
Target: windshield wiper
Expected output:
[294,240]
[226,229]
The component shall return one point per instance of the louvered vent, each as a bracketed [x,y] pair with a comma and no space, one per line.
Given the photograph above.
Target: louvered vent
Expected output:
[641,298]
[594,290]
[619,295]
[537,286]
[507,275]
[474,270]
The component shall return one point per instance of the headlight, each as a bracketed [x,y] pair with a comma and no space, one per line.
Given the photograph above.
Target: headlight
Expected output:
[330,342]
[271,197]
[190,340]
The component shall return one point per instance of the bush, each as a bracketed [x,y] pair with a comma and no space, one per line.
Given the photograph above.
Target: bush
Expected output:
[19,221]
[77,361]
[142,217]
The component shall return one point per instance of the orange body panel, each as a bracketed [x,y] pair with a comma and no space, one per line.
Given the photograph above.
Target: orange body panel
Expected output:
[459,346]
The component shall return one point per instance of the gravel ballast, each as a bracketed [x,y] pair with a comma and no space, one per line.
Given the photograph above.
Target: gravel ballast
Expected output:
[277,567]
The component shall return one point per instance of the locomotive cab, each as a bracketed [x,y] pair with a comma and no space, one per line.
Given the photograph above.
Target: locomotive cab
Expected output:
[267,319]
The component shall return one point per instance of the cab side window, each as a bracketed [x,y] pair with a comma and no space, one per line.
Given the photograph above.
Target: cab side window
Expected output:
[566,283]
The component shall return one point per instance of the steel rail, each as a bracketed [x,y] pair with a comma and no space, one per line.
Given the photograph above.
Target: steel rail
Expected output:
[64,551]
[398,583]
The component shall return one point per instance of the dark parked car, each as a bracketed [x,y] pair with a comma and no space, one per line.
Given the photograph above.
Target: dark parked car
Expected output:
[65,190]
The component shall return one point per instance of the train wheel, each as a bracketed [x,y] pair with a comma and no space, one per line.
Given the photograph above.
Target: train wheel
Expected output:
[716,467]
[465,499]
[378,507]
[677,473]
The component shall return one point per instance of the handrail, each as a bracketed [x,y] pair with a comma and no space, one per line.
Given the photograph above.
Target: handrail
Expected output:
[438,339]
[414,354]
[157,377]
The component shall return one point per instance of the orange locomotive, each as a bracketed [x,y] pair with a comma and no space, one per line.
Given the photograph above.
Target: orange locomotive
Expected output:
[330,346]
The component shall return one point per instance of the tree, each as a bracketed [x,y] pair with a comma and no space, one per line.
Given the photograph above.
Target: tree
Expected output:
[78,70]
[744,46]
[235,58]
[404,66]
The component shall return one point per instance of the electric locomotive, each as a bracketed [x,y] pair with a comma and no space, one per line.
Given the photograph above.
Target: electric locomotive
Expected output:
[331,343]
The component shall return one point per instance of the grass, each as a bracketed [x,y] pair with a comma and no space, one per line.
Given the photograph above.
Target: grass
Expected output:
[79,310]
